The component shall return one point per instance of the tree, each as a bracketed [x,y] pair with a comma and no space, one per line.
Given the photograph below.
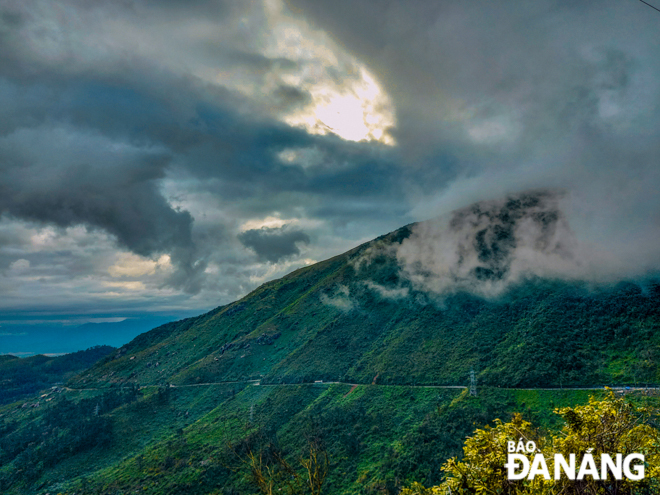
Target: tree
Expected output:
[608,426]
[271,473]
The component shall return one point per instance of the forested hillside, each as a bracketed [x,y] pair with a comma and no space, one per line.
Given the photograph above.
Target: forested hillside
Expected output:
[20,377]
[352,321]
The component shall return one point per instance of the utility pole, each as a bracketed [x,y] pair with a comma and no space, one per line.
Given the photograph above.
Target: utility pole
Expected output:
[473,384]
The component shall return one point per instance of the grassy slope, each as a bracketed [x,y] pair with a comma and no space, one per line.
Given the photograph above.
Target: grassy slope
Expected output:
[541,333]
[378,437]
[22,377]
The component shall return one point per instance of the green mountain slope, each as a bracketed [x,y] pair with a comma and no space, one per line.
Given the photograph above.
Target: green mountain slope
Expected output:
[177,440]
[327,322]
[22,377]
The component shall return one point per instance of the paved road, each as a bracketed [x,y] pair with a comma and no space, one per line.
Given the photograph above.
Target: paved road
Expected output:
[209,384]
[258,383]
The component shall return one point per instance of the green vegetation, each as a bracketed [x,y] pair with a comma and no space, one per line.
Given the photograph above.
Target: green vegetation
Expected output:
[327,322]
[23,377]
[607,426]
[173,411]
[183,440]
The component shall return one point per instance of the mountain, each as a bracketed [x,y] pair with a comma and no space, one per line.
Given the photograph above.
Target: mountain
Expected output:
[22,377]
[378,314]
[499,287]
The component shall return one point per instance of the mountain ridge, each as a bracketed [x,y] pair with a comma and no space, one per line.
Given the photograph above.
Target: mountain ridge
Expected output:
[358,316]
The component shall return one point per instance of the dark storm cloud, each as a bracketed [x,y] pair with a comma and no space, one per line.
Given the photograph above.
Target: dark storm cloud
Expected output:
[65,178]
[89,141]
[255,61]
[289,97]
[248,165]
[274,243]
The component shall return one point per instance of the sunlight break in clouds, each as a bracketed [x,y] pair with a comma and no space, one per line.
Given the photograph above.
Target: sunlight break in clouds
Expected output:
[133,265]
[361,112]
[354,107]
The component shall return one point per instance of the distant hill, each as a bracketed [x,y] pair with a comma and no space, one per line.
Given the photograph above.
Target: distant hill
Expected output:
[20,377]
[6,358]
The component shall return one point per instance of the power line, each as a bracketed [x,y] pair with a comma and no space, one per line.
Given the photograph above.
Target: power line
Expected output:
[655,8]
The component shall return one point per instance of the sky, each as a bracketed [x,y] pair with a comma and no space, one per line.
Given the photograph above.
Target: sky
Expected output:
[161,158]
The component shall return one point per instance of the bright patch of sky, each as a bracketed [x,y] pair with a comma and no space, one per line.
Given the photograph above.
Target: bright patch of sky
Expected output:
[346,99]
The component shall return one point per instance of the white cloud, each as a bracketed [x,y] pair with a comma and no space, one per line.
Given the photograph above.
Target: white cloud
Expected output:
[132,265]
[388,292]
[340,299]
